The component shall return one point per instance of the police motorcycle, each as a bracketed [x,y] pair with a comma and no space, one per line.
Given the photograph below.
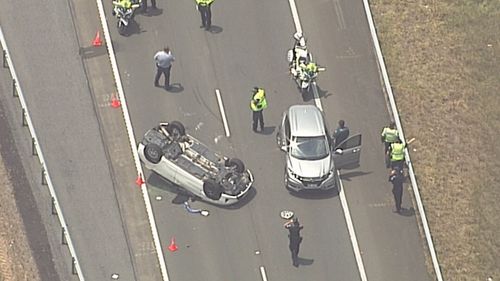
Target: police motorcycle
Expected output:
[124,10]
[299,58]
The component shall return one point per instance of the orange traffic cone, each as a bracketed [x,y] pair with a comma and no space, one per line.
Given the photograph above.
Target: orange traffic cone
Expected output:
[97,40]
[115,103]
[139,181]
[172,247]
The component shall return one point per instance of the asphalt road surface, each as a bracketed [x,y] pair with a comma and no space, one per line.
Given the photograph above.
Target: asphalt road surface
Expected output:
[247,47]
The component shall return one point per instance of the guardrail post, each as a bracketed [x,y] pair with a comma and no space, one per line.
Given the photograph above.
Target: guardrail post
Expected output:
[33,147]
[54,211]
[63,237]
[25,122]
[73,265]
[14,88]
[4,59]
[44,177]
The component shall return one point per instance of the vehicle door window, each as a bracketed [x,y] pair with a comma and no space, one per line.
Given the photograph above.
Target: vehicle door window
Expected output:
[351,142]
[287,131]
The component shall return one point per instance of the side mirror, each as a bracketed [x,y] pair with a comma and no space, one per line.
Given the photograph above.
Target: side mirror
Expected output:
[339,151]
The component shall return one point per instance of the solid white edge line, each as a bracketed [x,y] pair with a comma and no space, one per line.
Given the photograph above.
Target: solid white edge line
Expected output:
[128,123]
[395,113]
[317,101]
[263,273]
[343,199]
[222,112]
[352,233]
[295,15]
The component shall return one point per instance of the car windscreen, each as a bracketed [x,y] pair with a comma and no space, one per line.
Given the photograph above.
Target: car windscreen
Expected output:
[309,148]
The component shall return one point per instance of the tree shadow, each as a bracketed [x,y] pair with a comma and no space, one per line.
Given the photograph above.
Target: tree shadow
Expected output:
[215,29]
[349,175]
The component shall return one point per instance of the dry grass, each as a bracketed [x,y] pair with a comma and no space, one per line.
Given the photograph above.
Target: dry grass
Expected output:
[443,62]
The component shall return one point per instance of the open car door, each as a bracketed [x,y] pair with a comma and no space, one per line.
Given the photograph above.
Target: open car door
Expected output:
[347,154]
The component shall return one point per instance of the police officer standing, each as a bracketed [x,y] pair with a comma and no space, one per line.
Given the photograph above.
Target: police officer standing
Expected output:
[294,228]
[257,105]
[206,14]
[397,154]
[397,178]
[341,133]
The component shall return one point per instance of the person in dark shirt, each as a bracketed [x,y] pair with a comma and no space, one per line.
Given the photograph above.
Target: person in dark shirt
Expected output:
[397,178]
[341,133]
[294,228]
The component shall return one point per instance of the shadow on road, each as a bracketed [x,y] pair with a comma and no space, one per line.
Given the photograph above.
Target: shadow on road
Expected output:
[315,194]
[215,29]
[175,88]
[152,12]
[347,176]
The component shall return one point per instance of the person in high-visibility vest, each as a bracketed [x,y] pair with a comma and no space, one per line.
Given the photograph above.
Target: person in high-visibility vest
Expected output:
[389,135]
[397,154]
[257,105]
[125,4]
[206,14]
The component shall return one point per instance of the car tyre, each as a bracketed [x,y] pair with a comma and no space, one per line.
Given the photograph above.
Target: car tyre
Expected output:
[153,153]
[176,129]
[237,164]
[212,190]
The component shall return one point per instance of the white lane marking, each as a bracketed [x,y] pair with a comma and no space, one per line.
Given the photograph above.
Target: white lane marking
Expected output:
[343,199]
[352,233]
[133,143]
[263,273]
[222,112]
[298,27]
[295,15]
[340,14]
[317,101]
[394,109]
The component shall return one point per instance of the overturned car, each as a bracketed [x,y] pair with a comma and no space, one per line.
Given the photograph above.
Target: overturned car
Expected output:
[183,160]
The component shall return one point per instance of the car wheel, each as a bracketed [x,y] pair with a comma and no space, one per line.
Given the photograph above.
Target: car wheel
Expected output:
[237,164]
[176,129]
[153,153]
[212,190]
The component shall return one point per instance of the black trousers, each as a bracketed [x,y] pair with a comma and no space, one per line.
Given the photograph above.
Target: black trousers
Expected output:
[397,191]
[164,71]
[397,164]
[258,117]
[206,15]
[294,247]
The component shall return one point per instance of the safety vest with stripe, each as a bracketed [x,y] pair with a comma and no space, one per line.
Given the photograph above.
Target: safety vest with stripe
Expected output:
[204,2]
[397,151]
[259,101]
[390,135]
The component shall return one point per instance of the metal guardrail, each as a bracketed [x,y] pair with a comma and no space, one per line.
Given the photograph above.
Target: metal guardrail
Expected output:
[394,109]
[37,151]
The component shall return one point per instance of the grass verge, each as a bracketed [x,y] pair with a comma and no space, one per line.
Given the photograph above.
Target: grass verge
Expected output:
[444,66]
